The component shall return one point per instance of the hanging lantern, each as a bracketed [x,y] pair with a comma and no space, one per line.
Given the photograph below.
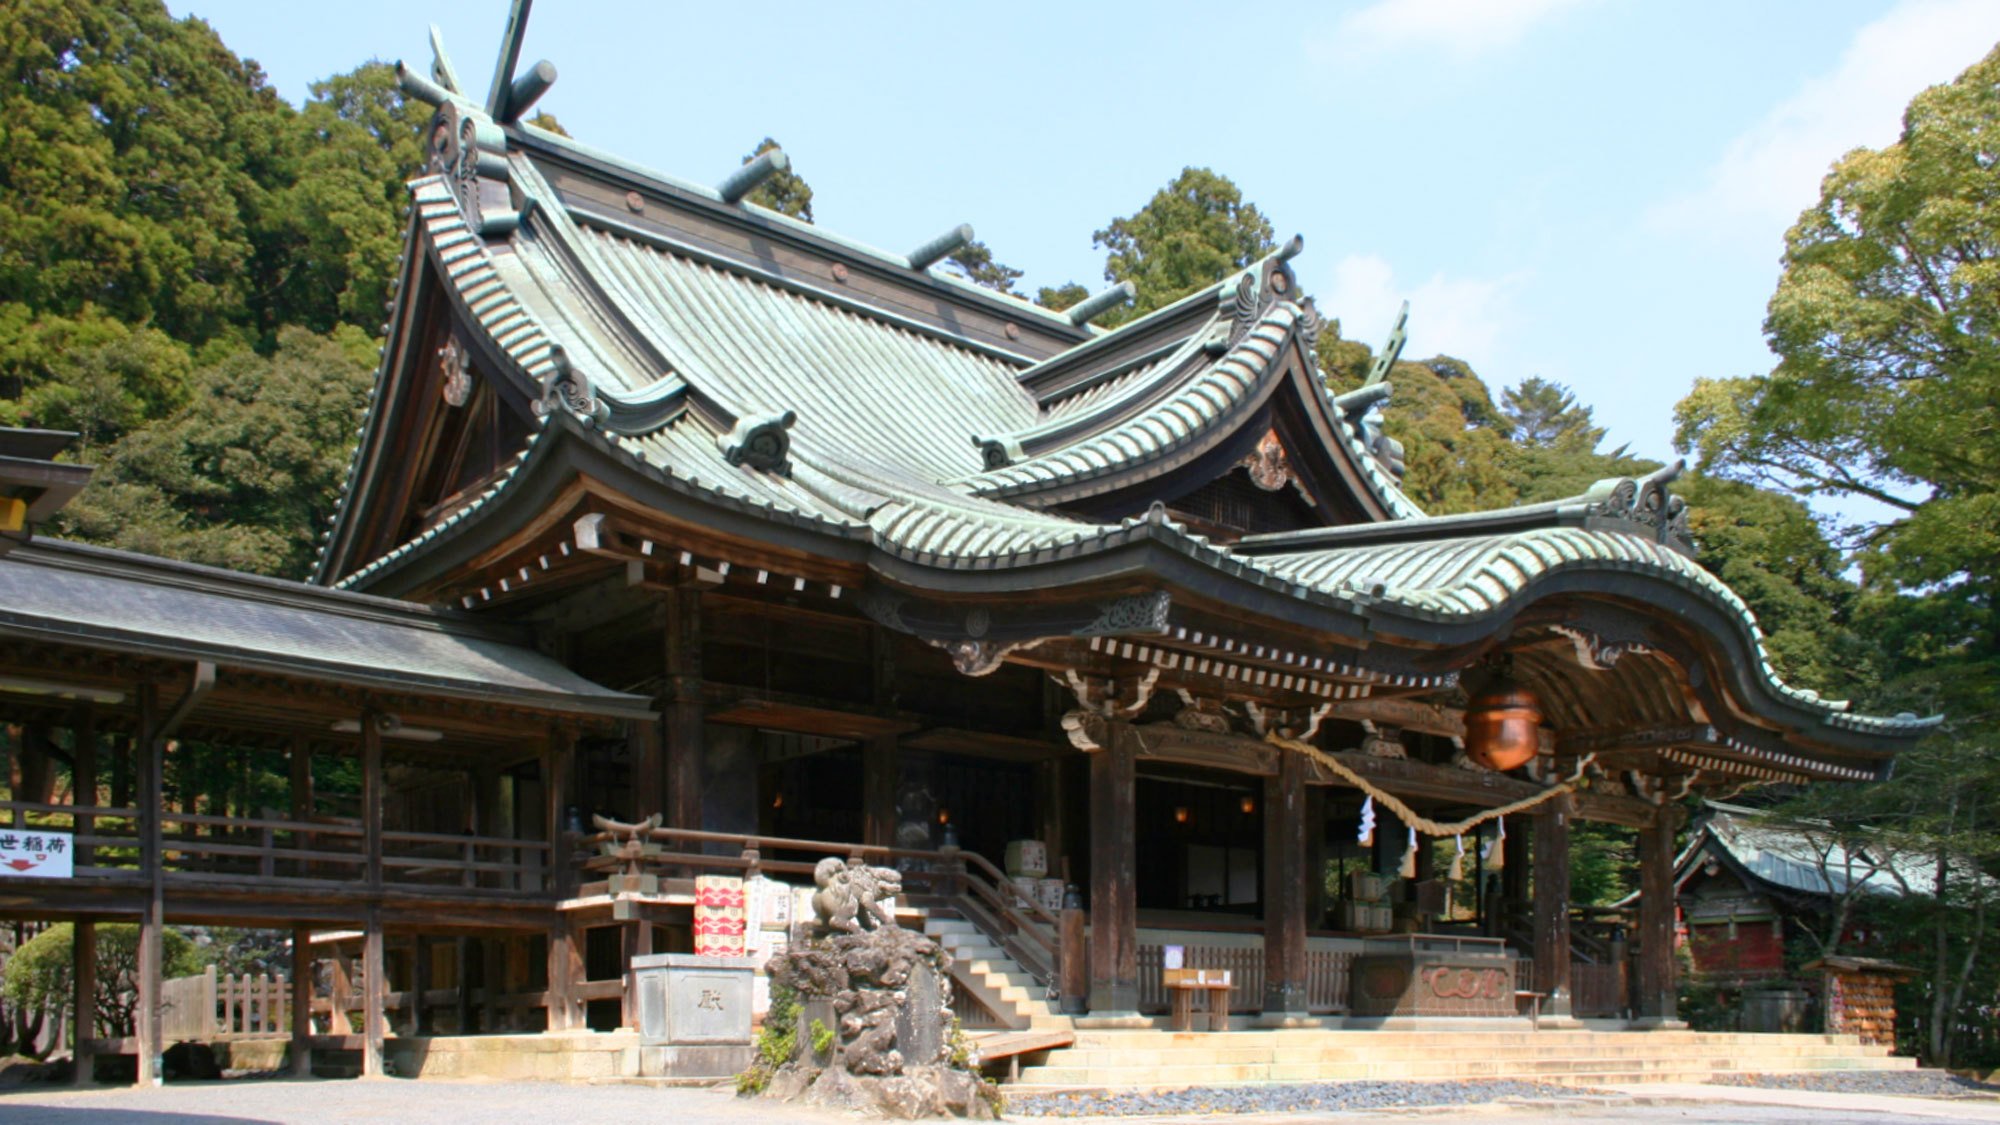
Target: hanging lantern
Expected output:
[1503,724]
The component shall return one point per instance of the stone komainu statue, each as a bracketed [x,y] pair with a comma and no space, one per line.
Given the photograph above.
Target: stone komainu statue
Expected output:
[850,896]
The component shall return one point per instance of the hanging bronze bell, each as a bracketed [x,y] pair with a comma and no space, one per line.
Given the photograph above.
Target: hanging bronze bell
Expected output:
[1503,725]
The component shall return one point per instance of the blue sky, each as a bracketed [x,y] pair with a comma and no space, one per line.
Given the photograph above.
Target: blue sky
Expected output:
[1595,191]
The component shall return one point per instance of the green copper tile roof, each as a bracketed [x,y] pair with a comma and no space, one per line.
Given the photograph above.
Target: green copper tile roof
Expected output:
[883,449]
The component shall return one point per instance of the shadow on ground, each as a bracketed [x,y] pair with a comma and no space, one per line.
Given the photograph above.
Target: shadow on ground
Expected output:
[22,1108]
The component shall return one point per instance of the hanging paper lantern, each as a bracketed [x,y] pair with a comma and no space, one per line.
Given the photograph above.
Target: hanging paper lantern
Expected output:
[1503,724]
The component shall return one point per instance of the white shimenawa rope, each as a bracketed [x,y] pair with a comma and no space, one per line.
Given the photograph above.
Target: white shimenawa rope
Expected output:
[1404,813]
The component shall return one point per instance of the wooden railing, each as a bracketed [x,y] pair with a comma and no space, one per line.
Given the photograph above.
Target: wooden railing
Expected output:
[1024,928]
[213,1006]
[279,852]
[1597,991]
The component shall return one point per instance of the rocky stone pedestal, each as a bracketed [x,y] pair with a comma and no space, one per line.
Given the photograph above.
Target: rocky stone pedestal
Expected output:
[875,1033]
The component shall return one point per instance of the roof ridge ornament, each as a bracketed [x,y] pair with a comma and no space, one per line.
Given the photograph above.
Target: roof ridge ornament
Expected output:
[745,178]
[1645,501]
[1099,303]
[565,388]
[761,441]
[1392,350]
[943,246]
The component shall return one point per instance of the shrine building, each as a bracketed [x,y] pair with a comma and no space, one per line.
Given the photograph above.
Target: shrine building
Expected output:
[679,523]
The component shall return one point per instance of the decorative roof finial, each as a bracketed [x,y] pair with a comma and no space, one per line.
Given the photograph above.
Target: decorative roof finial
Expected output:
[1097,304]
[1392,350]
[745,179]
[941,247]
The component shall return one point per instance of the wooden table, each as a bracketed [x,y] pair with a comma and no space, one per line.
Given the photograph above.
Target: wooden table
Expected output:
[1218,1004]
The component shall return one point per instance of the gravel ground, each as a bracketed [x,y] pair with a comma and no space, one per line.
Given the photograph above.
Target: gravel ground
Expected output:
[1305,1097]
[1904,1083]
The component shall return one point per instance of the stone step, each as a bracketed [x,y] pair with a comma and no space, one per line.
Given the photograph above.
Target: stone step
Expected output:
[1159,1037]
[1190,1074]
[1142,1056]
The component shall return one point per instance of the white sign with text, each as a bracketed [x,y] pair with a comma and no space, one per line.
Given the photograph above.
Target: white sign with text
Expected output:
[35,853]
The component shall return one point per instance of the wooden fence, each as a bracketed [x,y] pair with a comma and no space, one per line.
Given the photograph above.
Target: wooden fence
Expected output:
[215,1006]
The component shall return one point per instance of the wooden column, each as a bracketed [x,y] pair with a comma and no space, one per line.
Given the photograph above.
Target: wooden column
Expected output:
[1658,1001]
[1285,891]
[83,999]
[565,973]
[1114,910]
[879,768]
[151,751]
[1049,812]
[371,796]
[565,960]
[1315,857]
[649,772]
[83,786]
[684,709]
[1518,866]
[1551,911]
[420,985]
[302,995]
[374,995]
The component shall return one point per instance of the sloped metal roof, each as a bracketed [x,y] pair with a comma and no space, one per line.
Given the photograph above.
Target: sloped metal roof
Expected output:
[885,449]
[69,592]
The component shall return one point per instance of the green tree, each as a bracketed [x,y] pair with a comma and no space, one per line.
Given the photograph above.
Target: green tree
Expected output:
[37,977]
[138,156]
[1886,322]
[1191,234]
[1544,414]
[974,262]
[786,193]
[332,234]
[246,473]
[1060,297]
[1887,389]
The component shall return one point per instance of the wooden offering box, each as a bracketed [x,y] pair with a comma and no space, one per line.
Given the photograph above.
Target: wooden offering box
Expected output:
[1421,975]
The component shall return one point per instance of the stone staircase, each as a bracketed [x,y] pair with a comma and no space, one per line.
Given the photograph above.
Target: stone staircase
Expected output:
[1160,1059]
[983,970]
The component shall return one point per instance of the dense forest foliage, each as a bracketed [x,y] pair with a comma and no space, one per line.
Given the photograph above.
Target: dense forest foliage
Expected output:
[192,272]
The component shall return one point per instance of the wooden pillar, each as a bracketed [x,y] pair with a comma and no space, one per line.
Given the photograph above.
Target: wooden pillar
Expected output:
[374,995]
[1114,911]
[302,995]
[649,772]
[464,953]
[1049,811]
[151,750]
[565,969]
[1551,911]
[83,784]
[1285,890]
[565,973]
[420,985]
[371,797]
[1315,857]
[493,981]
[83,998]
[684,709]
[1658,1002]
[878,791]
[1518,866]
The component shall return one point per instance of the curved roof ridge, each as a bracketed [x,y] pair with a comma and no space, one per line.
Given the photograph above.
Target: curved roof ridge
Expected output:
[1474,576]
[1057,430]
[792,226]
[1203,400]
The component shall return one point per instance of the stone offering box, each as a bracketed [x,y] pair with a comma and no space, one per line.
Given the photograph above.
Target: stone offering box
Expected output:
[694,1014]
[1432,976]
